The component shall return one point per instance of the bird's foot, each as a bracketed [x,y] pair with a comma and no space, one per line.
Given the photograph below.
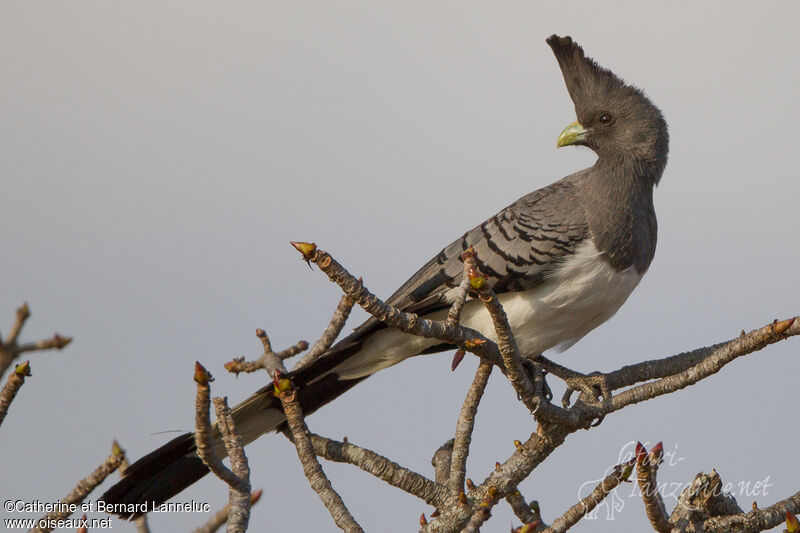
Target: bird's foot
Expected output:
[593,387]
[541,390]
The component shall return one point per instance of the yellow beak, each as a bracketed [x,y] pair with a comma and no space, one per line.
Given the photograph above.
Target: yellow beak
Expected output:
[572,134]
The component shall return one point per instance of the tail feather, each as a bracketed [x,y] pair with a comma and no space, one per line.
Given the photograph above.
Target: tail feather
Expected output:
[165,472]
[155,478]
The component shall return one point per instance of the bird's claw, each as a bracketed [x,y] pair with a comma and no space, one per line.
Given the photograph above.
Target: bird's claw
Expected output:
[593,387]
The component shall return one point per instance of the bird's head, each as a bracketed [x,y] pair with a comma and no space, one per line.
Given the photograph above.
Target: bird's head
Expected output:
[615,120]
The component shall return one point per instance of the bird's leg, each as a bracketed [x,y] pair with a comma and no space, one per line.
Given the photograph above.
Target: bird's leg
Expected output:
[541,390]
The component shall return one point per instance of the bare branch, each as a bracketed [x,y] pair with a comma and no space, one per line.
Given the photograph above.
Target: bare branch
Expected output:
[12,386]
[203,430]
[465,426]
[646,467]
[463,337]
[22,315]
[56,342]
[711,364]
[221,516]
[481,515]
[442,462]
[702,499]
[380,467]
[460,297]
[506,342]
[10,349]
[311,467]
[239,495]
[69,503]
[587,504]
[527,513]
[330,334]
[238,477]
[269,360]
[755,520]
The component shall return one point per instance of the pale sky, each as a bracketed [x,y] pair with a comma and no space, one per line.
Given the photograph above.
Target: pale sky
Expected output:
[157,158]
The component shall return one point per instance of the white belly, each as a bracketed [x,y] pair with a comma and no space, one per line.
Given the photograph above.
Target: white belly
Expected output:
[581,295]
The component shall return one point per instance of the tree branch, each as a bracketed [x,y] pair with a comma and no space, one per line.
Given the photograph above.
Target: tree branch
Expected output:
[269,360]
[527,513]
[329,335]
[382,468]
[12,386]
[238,477]
[69,502]
[587,504]
[463,337]
[646,468]
[755,520]
[711,364]
[465,426]
[311,467]
[238,495]
[10,349]
[221,516]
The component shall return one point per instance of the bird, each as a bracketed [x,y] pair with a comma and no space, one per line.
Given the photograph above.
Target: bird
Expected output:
[562,260]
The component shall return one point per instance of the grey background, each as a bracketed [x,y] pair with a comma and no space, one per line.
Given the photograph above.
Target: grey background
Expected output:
[156,158]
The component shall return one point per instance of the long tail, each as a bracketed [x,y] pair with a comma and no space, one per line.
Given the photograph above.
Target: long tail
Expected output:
[163,473]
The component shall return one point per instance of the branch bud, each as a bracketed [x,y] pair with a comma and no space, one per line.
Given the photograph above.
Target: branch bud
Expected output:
[308,249]
[792,524]
[656,453]
[476,279]
[641,452]
[23,369]
[474,343]
[457,358]
[782,326]
[201,375]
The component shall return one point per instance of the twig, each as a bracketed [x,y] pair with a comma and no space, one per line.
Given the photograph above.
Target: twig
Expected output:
[587,504]
[442,462]
[521,508]
[238,476]
[12,386]
[22,315]
[311,467]
[460,297]
[711,364]
[69,503]
[380,467]
[481,515]
[463,337]
[10,349]
[702,499]
[203,430]
[465,426]
[646,467]
[269,360]
[239,494]
[221,516]
[506,342]
[482,512]
[755,520]
[330,333]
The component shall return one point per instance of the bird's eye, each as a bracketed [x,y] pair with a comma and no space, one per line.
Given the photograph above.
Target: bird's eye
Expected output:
[605,118]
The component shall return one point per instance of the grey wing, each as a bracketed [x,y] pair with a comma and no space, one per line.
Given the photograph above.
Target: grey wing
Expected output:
[516,249]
